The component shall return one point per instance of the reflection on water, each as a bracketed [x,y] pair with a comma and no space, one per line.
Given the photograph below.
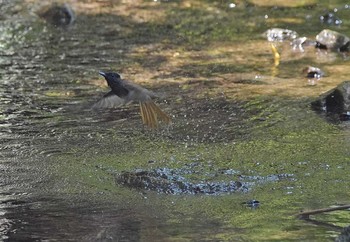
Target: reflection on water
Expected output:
[51,219]
[49,79]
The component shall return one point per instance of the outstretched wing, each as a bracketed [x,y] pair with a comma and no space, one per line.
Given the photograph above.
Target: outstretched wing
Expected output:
[110,100]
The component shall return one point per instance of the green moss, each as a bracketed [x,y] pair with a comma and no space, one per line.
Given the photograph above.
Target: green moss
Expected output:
[285,140]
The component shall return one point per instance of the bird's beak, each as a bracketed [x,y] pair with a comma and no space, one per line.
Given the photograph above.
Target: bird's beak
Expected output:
[102,73]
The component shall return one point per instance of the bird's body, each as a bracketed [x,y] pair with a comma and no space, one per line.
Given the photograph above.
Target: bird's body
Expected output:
[124,92]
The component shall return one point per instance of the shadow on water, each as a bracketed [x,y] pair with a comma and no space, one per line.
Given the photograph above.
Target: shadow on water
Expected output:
[35,220]
[60,161]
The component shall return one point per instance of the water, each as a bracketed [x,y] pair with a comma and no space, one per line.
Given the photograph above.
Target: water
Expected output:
[237,118]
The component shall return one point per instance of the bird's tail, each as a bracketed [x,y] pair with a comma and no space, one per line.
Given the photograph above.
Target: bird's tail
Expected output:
[150,114]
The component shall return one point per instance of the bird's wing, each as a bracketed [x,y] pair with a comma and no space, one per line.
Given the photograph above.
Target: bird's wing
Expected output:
[137,92]
[110,100]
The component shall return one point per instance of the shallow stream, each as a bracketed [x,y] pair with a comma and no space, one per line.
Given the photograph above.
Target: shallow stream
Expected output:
[243,128]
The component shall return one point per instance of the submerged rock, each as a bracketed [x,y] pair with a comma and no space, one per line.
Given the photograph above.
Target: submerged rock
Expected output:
[252,203]
[335,103]
[333,40]
[58,15]
[278,34]
[178,181]
[331,19]
[169,182]
[344,236]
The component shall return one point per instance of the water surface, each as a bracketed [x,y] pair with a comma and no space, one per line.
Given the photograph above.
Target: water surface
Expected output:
[236,117]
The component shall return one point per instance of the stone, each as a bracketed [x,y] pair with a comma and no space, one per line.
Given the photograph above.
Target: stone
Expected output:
[335,103]
[333,40]
[58,15]
[278,34]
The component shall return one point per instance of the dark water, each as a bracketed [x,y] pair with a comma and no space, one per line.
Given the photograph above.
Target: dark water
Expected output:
[59,159]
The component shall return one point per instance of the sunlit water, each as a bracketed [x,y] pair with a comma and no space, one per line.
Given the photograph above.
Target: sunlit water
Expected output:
[49,80]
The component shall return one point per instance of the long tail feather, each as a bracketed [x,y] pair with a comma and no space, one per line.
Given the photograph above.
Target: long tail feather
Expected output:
[152,117]
[142,111]
[162,116]
[147,119]
[150,113]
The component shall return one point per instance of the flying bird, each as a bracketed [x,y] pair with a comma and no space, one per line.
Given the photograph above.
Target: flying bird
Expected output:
[124,92]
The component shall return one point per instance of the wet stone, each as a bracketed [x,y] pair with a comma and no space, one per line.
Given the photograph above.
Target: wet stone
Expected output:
[301,42]
[335,103]
[278,34]
[332,40]
[331,19]
[58,15]
[313,72]
[252,203]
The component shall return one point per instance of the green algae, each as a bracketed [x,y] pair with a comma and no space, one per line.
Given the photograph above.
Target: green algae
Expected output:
[299,143]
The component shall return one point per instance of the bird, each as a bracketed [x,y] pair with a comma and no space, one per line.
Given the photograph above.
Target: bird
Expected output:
[124,92]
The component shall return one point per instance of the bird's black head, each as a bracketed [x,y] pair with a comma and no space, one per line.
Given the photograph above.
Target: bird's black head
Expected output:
[110,75]
[115,83]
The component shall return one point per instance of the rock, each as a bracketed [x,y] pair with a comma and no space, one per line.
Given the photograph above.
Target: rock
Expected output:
[277,34]
[168,181]
[183,180]
[313,72]
[333,40]
[252,203]
[331,19]
[301,42]
[335,103]
[344,236]
[58,15]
